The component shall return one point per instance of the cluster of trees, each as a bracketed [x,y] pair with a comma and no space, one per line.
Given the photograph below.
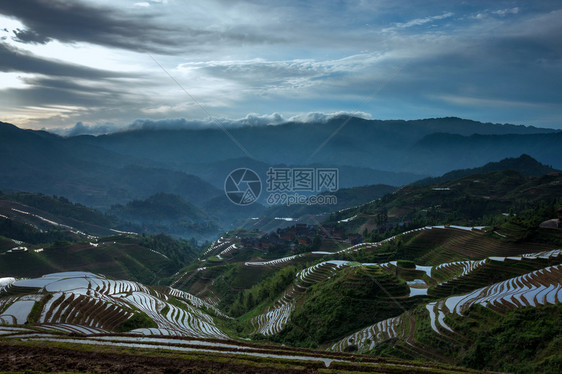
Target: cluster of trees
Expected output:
[157,208]
[264,292]
[29,234]
[139,320]
[532,215]
[167,213]
[525,340]
[180,251]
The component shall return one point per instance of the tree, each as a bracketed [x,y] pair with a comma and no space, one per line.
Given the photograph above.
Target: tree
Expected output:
[316,242]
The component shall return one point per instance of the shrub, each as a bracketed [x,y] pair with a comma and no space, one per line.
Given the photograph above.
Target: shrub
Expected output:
[139,320]
[406,264]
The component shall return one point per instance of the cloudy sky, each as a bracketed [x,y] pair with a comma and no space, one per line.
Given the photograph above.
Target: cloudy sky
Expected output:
[109,63]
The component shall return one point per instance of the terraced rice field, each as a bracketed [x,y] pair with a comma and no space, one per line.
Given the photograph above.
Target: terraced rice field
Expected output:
[89,303]
[458,269]
[277,261]
[5,283]
[449,228]
[17,312]
[451,235]
[172,344]
[470,275]
[276,317]
[73,329]
[540,287]
[417,287]
[455,244]
[176,321]
[367,338]
[319,272]
[217,246]
[273,321]
[284,260]
[537,288]
[193,300]
[226,251]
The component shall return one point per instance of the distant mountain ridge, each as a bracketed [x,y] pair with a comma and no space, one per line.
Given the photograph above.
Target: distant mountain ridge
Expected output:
[453,151]
[396,146]
[118,168]
[524,164]
[37,161]
[294,143]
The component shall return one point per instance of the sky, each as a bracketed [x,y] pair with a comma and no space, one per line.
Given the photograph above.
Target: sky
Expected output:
[98,66]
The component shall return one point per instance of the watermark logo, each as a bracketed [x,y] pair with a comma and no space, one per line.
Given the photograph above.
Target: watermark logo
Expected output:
[242,186]
[302,179]
[289,186]
[285,186]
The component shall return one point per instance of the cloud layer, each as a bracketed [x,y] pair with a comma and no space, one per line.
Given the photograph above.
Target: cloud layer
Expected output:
[251,119]
[105,63]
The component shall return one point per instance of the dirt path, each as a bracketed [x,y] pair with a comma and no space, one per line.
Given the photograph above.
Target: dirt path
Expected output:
[47,359]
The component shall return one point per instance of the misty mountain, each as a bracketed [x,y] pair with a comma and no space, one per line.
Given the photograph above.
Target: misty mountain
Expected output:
[119,168]
[350,176]
[161,207]
[393,146]
[231,216]
[450,151]
[166,213]
[346,198]
[37,161]
[524,164]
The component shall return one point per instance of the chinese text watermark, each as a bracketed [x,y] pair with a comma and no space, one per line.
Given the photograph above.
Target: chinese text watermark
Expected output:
[284,186]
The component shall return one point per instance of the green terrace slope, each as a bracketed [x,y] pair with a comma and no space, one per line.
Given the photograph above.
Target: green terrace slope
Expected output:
[433,245]
[512,325]
[148,259]
[41,234]
[412,291]
[117,321]
[359,297]
[39,217]
[351,298]
[405,308]
[242,268]
[111,354]
[470,200]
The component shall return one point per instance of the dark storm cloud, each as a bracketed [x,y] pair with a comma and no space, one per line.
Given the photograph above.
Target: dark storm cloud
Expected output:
[74,21]
[128,29]
[13,59]
[30,36]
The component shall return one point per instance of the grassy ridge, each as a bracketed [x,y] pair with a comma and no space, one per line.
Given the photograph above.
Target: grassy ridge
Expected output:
[118,257]
[437,246]
[353,298]
[526,340]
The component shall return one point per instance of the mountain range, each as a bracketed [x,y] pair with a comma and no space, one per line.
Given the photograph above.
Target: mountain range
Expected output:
[110,171]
